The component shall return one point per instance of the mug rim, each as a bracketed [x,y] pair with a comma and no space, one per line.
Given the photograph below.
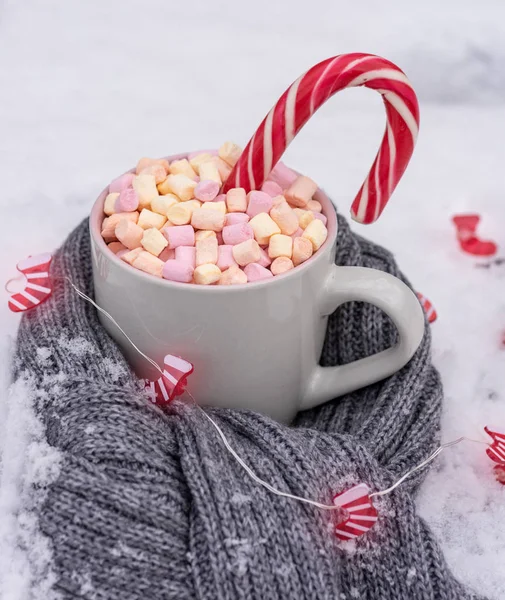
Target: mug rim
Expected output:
[97,213]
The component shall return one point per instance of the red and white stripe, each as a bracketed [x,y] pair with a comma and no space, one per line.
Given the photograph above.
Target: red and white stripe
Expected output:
[173,381]
[37,283]
[496,450]
[306,95]
[428,308]
[360,514]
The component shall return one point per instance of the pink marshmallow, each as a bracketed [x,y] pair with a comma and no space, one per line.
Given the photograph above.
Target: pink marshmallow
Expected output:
[186,254]
[234,218]
[272,189]
[207,190]
[193,154]
[179,235]
[127,201]
[265,260]
[236,234]
[225,257]
[258,202]
[297,233]
[167,254]
[175,270]
[282,175]
[255,272]
[219,237]
[220,198]
[121,183]
[320,216]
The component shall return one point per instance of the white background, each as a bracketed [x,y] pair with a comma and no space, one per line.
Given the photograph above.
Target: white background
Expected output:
[86,88]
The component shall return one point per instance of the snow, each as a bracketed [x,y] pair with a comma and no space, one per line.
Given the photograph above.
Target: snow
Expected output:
[89,87]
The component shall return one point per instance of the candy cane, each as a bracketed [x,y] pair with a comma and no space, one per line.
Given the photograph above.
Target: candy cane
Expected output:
[37,284]
[306,95]
[496,450]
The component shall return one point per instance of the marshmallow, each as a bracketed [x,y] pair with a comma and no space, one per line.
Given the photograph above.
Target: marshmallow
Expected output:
[301,191]
[264,227]
[234,218]
[149,264]
[209,171]
[281,265]
[194,204]
[179,235]
[246,252]
[153,241]
[221,206]
[207,219]
[314,206]
[198,159]
[182,167]
[148,219]
[203,234]
[236,200]
[223,168]
[285,217]
[167,254]
[186,254]
[145,186]
[233,276]
[305,218]
[302,250]
[258,202]
[317,233]
[147,162]
[207,274]
[110,203]
[157,171]
[109,224]
[280,245]
[255,272]
[121,183]
[206,251]
[265,260]
[321,217]
[236,234]
[180,185]
[278,199]
[130,256]
[127,201]
[282,175]
[116,247]
[206,190]
[272,189]
[219,237]
[161,204]
[298,233]
[180,214]
[129,234]
[230,153]
[225,257]
[177,270]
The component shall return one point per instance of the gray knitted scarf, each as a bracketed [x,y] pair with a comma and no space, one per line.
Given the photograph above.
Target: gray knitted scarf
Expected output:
[150,505]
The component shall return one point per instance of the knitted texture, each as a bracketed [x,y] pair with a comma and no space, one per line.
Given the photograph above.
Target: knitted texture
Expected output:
[150,505]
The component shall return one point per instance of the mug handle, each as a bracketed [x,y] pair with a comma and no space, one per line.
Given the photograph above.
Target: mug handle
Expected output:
[397,300]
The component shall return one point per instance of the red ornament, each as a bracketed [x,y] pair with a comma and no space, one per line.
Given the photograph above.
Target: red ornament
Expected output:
[35,270]
[466,226]
[499,473]
[431,313]
[496,450]
[173,381]
[359,514]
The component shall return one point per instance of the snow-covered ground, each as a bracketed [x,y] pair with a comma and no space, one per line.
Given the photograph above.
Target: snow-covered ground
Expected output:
[88,87]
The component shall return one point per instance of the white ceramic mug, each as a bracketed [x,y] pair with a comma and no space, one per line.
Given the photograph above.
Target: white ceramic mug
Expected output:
[257,345]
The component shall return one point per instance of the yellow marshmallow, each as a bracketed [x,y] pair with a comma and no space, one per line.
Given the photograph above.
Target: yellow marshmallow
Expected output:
[193,204]
[305,219]
[221,206]
[212,220]
[317,233]
[264,227]
[284,216]
[154,241]
[129,257]
[147,162]
[280,245]
[199,159]
[148,219]
[161,204]
[149,264]
[180,185]
[206,251]
[110,201]
[223,168]
[203,234]
[302,250]
[157,171]
[180,214]
[182,167]
[233,276]
[236,200]
[145,186]
[207,274]
[230,153]
[209,171]
[246,252]
[314,206]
